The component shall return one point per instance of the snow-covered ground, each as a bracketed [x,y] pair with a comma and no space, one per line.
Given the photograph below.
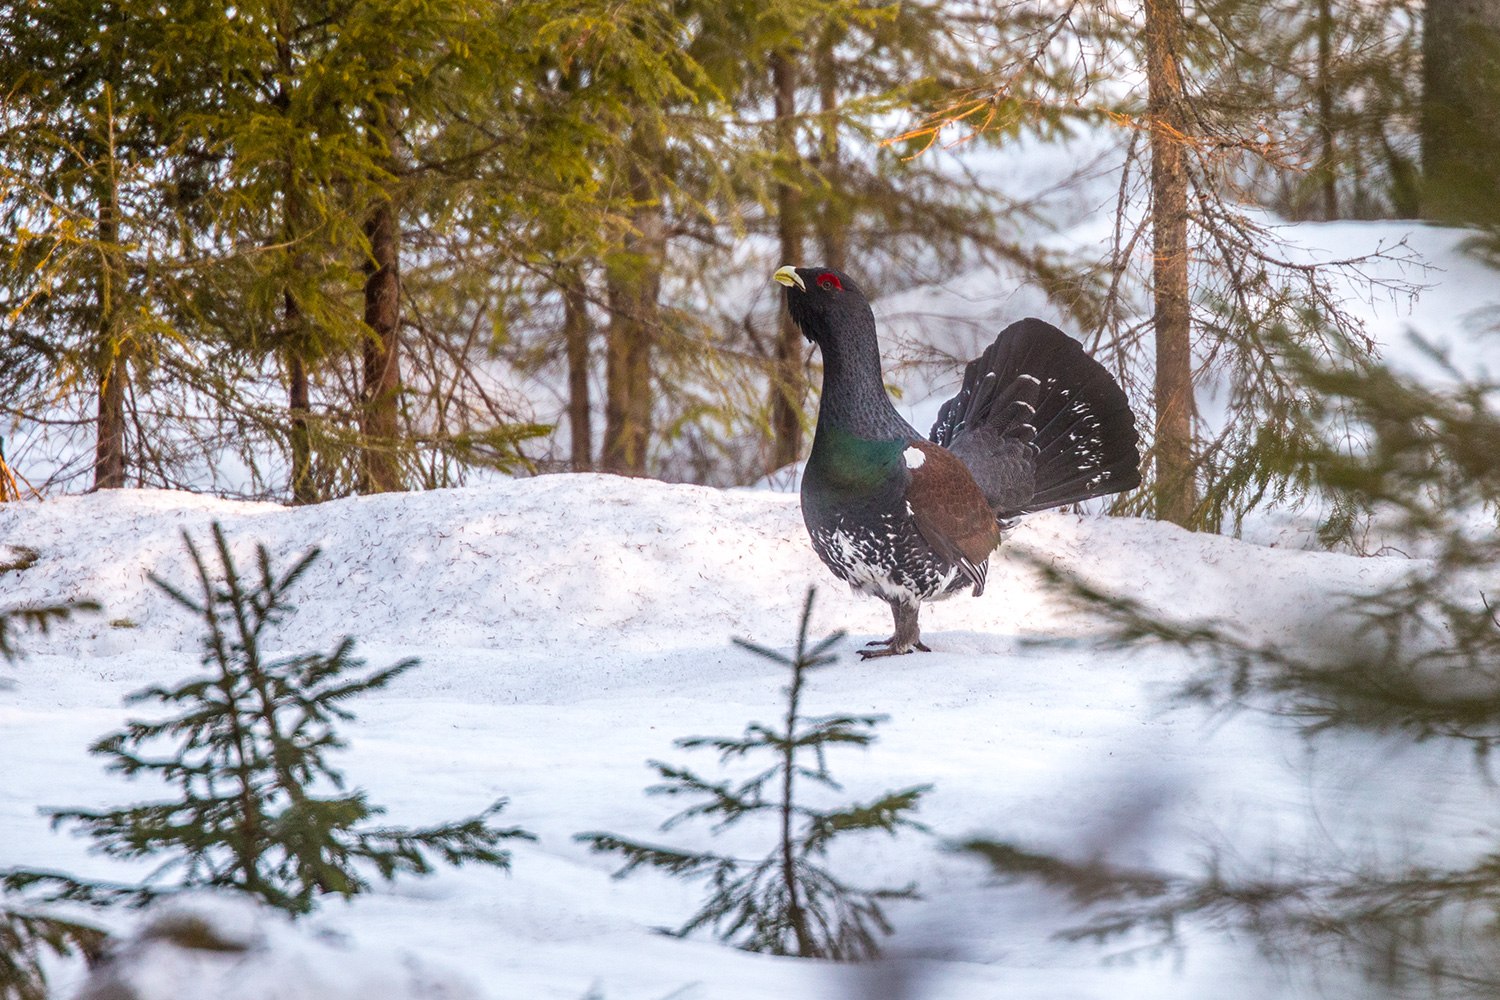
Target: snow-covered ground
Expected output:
[570,627]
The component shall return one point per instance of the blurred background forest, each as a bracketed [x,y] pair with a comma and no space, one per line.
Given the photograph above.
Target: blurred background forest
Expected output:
[298,251]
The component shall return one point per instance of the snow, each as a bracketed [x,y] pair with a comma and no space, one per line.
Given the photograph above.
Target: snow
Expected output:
[229,948]
[571,627]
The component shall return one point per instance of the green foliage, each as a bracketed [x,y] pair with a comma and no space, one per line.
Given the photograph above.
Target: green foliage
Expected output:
[1419,931]
[1338,83]
[25,936]
[186,193]
[786,903]
[1253,126]
[1414,465]
[247,751]
[1413,660]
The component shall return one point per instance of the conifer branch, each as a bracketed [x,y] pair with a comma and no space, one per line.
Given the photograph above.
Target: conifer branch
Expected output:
[40,619]
[783,904]
[249,765]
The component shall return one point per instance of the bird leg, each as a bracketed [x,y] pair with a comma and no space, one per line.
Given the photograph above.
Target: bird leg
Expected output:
[907,638]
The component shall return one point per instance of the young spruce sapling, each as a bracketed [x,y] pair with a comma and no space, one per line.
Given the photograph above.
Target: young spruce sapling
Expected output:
[788,902]
[248,750]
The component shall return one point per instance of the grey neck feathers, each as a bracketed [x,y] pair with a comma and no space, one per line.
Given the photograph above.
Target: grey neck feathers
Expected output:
[854,396]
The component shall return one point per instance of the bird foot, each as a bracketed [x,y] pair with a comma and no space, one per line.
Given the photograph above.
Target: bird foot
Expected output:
[907,637]
[892,648]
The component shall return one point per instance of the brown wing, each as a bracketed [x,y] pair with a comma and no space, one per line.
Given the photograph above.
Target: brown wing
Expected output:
[950,509]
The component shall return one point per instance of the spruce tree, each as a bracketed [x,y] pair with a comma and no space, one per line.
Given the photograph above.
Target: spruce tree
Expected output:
[214,204]
[87,161]
[759,119]
[1176,486]
[787,902]
[833,181]
[259,807]
[1230,321]
[1338,82]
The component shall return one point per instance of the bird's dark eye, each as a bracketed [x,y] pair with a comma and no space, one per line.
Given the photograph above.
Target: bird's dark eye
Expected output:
[829,282]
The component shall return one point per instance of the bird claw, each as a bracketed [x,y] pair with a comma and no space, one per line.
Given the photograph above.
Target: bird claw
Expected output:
[890,649]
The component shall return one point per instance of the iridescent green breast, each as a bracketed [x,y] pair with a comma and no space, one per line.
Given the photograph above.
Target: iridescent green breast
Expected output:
[845,463]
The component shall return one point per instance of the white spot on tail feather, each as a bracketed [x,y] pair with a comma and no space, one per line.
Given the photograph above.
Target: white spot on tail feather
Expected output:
[914,457]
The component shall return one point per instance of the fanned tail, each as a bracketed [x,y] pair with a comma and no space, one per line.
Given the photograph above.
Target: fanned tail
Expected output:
[1040,423]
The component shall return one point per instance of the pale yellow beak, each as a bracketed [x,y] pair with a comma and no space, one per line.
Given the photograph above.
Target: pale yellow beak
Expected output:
[788,276]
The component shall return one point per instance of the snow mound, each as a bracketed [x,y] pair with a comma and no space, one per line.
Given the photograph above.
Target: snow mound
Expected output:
[228,947]
[571,627]
[566,563]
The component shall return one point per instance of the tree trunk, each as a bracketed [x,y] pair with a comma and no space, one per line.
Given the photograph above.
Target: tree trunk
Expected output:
[634,318]
[633,291]
[576,339]
[1327,169]
[1176,490]
[380,394]
[295,342]
[109,446]
[1461,111]
[789,376]
[621,447]
[795,911]
[299,411]
[109,441]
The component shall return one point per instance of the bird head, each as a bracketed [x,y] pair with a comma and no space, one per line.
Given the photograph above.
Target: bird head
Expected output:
[823,301]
